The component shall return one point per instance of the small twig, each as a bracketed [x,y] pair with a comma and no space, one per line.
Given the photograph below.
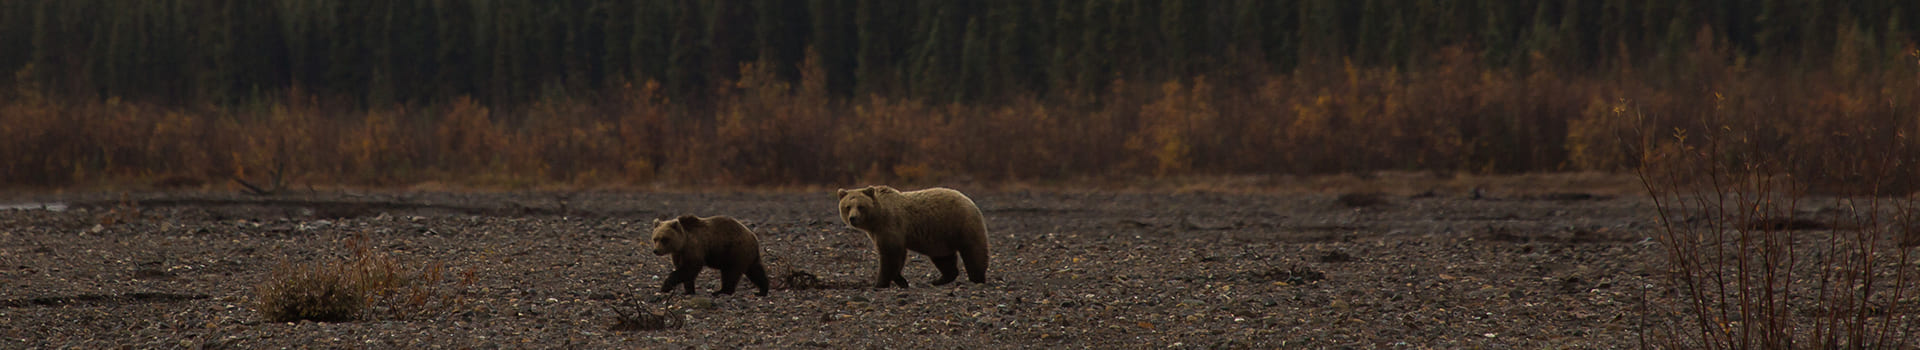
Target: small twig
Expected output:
[251,189]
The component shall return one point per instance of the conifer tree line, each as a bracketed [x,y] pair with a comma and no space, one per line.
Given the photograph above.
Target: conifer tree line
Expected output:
[506,52]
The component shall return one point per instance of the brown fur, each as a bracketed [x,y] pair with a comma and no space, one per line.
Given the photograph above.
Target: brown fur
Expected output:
[718,242]
[937,222]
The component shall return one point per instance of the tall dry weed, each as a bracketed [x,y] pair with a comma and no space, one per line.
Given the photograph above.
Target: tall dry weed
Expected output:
[1753,258]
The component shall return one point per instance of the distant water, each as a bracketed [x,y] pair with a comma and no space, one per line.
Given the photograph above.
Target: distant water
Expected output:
[34,206]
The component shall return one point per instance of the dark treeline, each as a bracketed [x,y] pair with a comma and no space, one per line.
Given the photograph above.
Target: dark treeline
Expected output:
[502,52]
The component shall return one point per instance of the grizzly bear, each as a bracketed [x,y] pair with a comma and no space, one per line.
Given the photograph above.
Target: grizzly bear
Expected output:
[718,242]
[936,222]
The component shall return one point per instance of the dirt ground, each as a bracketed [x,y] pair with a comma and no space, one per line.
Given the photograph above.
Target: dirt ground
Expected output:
[1071,269]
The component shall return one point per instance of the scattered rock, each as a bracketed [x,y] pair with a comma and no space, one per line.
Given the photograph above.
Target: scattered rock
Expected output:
[1119,270]
[1294,275]
[698,303]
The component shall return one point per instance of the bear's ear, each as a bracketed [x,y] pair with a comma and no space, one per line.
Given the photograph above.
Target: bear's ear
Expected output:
[689,221]
[842,193]
[887,189]
[869,191]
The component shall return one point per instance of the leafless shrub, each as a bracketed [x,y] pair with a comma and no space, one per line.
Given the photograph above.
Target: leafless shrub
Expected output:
[642,320]
[1744,272]
[800,280]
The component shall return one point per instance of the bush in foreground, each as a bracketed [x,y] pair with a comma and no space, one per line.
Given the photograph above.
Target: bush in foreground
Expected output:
[368,285]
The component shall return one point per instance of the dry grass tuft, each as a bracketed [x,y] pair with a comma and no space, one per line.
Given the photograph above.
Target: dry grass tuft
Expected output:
[312,292]
[368,285]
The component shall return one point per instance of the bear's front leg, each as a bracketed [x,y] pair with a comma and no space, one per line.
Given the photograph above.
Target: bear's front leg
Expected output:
[891,259]
[683,274]
[949,268]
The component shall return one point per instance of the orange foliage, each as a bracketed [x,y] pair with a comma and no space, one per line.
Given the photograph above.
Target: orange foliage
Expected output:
[761,130]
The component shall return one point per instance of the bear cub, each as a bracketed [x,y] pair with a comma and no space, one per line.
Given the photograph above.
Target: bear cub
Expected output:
[941,223]
[718,242]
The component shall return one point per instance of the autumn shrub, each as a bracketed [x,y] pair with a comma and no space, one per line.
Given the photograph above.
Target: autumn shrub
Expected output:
[1176,127]
[1020,141]
[1091,128]
[373,151]
[884,140]
[1448,113]
[649,138]
[766,132]
[468,138]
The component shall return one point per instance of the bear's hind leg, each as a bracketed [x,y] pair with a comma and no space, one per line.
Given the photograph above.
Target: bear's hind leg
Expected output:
[758,274]
[949,268]
[729,278]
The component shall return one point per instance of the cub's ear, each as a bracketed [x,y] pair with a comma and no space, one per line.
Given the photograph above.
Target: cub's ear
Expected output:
[689,221]
[870,190]
[887,189]
[842,193]
[656,223]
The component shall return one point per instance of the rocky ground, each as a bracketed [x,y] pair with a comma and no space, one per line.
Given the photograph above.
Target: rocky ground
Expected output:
[1074,269]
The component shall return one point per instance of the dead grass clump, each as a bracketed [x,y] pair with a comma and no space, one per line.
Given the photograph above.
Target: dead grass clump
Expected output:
[312,292]
[370,284]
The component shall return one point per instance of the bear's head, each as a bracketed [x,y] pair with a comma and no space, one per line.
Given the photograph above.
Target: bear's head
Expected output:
[857,206]
[672,235]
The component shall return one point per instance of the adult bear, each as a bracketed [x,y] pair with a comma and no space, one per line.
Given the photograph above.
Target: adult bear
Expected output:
[940,223]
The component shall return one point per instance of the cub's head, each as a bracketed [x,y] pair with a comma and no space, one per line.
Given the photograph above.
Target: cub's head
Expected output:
[672,235]
[856,206]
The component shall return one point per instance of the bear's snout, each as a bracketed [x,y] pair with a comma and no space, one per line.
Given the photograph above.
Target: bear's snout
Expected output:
[659,250]
[853,219]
